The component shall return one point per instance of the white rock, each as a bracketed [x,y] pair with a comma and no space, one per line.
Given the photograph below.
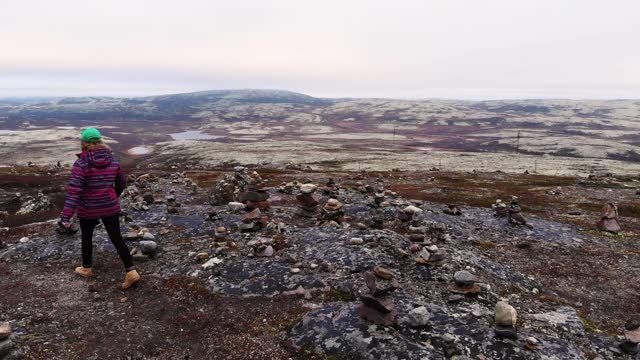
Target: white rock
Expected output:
[235,206]
[419,316]
[410,210]
[211,263]
[24,240]
[506,314]
[308,188]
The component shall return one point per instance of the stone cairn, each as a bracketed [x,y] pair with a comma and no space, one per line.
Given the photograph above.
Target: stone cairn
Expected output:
[377,306]
[331,189]
[332,213]
[377,220]
[227,189]
[609,219]
[378,194]
[308,204]
[500,208]
[464,283]
[255,198]
[7,342]
[410,213]
[631,336]
[505,320]
[289,187]
[172,204]
[360,187]
[514,214]
[220,234]
[428,255]
[253,221]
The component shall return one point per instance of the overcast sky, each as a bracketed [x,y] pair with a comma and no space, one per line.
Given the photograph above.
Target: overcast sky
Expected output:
[472,49]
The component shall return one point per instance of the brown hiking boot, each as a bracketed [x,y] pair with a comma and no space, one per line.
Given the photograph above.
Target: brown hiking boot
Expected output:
[131,278]
[84,272]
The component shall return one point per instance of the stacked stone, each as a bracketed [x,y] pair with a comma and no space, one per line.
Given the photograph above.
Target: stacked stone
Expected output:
[609,219]
[262,247]
[500,208]
[253,221]
[289,188]
[377,221]
[429,255]
[409,213]
[514,215]
[416,231]
[231,185]
[505,320]
[331,189]
[255,198]
[141,203]
[172,204]
[220,234]
[436,232]
[360,187]
[464,283]
[377,306]
[308,204]
[631,336]
[7,341]
[332,212]
[378,195]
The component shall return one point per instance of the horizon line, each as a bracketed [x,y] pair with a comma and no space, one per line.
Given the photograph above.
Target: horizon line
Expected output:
[124,95]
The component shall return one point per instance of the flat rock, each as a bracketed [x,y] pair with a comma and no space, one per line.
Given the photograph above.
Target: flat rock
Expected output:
[464,277]
[377,317]
[235,207]
[308,188]
[382,273]
[411,210]
[507,332]
[473,289]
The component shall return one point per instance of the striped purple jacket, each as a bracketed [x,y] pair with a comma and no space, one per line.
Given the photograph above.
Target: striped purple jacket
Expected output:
[97,180]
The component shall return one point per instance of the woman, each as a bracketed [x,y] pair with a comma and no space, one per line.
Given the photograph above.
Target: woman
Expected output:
[97,180]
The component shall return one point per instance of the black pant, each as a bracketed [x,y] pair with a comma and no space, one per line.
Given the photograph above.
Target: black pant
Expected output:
[112,225]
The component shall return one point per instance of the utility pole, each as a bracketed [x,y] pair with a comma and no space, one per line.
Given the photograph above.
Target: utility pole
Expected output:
[518,143]
[394,135]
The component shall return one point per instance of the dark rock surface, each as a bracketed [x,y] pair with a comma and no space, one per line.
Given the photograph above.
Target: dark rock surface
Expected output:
[321,264]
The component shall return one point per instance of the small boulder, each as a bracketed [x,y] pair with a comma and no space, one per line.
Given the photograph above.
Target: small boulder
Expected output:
[506,314]
[464,278]
[382,273]
[148,247]
[419,316]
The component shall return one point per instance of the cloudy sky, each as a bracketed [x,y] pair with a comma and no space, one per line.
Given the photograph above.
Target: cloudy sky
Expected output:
[477,49]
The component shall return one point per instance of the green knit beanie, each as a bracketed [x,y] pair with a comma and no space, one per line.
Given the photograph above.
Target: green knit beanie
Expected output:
[91,135]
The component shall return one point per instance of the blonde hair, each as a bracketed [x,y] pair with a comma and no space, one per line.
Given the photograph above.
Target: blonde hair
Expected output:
[86,146]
